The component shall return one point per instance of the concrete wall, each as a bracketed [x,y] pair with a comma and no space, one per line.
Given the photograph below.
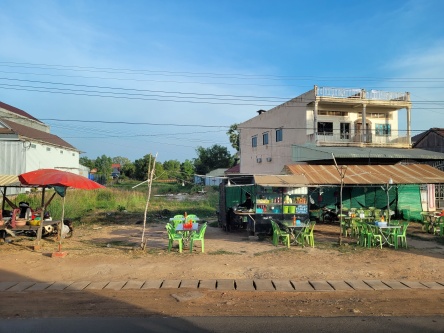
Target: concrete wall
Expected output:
[43,156]
[292,118]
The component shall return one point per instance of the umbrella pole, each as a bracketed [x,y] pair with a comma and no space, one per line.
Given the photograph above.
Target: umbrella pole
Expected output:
[61,224]
[40,230]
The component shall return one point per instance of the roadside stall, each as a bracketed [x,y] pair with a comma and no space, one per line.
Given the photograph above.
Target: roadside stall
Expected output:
[18,218]
[282,198]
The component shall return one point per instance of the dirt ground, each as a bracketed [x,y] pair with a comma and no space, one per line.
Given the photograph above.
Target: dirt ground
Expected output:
[112,253]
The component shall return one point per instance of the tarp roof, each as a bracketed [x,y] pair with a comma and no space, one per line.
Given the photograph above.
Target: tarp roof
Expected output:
[281,180]
[368,174]
[9,181]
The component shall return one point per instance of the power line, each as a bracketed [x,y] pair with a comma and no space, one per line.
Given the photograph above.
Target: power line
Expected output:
[144,90]
[212,74]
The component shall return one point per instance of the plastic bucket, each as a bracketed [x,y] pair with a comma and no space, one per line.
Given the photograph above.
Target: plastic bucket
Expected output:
[286,209]
[291,209]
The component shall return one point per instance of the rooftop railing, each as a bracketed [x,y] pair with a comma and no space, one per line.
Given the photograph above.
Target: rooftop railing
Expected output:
[362,94]
[393,139]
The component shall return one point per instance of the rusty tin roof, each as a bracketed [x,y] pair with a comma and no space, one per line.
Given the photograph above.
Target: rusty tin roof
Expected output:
[368,174]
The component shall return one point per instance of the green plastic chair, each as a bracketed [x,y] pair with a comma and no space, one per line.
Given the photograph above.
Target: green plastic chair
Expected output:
[365,235]
[377,214]
[354,228]
[402,235]
[279,234]
[344,228]
[198,236]
[173,236]
[375,237]
[307,235]
[425,221]
[178,216]
[176,221]
[438,226]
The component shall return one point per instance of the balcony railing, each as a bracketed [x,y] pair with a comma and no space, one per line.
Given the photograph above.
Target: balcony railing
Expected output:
[362,94]
[398,139]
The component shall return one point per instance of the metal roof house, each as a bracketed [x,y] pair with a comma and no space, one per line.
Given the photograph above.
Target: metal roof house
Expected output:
[432,139]
[323,117]
[26,144]
[326,125]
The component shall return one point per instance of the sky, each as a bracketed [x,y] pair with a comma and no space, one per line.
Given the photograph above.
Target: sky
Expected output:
[131,78]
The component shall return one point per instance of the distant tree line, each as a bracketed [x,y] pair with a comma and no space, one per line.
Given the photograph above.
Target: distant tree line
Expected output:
[207,159]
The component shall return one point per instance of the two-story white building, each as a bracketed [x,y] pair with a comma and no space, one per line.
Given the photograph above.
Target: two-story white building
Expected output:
[354,123]
[26,144]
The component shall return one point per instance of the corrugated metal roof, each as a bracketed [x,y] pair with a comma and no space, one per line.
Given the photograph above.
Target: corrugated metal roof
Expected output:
[9,181]
[281,180]
[312,152]
[17,111]
[35,134]
[368,174]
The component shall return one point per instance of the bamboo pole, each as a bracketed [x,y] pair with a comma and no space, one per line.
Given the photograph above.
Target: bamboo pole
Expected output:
[150,182]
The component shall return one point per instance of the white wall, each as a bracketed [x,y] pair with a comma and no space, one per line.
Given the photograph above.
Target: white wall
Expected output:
[43,156]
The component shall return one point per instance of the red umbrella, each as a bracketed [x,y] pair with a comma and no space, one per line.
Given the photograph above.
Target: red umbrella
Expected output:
[52,178]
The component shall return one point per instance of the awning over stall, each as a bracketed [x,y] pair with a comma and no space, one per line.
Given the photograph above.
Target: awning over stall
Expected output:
[9,181]
[367,174]
[281,180]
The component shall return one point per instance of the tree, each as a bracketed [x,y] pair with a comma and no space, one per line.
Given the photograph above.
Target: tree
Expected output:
[104,166]
[86,162]
[141,168]
[128,170]
[233,134]
[212,158]
[172,169]
[187,171]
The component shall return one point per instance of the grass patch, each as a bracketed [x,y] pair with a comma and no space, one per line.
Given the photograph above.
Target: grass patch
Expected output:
[120,200]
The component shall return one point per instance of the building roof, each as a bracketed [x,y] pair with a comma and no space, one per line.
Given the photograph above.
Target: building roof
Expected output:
[17,111]
[233,169]
[216,173]
[310,152]
[417,138]
[32,133]
[368,174]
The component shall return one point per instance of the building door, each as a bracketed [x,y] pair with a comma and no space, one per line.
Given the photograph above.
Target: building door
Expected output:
[359,135]
[345,131]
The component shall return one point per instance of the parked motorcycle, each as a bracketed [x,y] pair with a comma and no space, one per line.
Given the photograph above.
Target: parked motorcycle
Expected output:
[330,215]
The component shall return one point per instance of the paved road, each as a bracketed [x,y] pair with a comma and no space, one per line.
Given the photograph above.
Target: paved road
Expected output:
[224,324]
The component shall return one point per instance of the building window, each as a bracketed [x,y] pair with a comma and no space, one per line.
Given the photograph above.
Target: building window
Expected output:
[325,128]
[48,149]
[345,130]
[380,115]
[33,146]
[254,141]
[265,138]
[279,135]
[383,129]
[332,113]
[61,152]
[73,154]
